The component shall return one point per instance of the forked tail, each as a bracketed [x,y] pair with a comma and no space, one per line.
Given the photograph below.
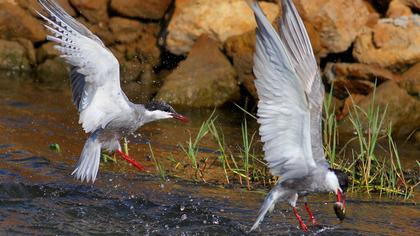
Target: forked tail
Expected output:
[88,164]
[277,193]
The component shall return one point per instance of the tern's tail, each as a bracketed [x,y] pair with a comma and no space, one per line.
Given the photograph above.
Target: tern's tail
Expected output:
[268,205]
[88,164]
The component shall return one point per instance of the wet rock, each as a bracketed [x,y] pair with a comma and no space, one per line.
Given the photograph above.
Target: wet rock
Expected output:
[149,9]
[46,51]
[393,43]
[220,19]
[144,87]
[337,21]
[125,30]
[99,29]
[17,23]
[397,9]
[13,56]
[403,111]
[33,6]
[145,48]
[356,78]
[411,81]
[204,79]
[54,71]
[94,10]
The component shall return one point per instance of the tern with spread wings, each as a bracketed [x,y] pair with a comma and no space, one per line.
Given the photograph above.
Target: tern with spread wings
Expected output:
[105,111]
[290,103]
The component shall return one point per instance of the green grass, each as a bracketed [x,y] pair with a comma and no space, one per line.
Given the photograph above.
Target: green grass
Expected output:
[160,168]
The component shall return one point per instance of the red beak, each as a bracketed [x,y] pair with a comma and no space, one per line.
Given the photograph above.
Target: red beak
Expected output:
[180,117]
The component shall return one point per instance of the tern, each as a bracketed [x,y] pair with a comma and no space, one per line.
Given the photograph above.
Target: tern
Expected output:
[289,112]
[105,111]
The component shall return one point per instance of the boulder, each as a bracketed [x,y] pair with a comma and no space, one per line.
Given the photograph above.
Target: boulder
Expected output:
[29,48]
[411,80]
[13,56]
[99,29]
[220,19]
[337,21]
[392,43]
[415,4]
[402,110]
[397,9]
[94,10]
[33,6]
[205,79]
[16,23]
[356,78]
[125,30]
[148,9]
[53,71]
[46,51]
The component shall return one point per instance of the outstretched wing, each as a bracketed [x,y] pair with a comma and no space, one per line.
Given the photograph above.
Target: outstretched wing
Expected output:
[94,71]
[299,49]
[284,105]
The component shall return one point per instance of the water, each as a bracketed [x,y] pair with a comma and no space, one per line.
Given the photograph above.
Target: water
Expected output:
[39,197]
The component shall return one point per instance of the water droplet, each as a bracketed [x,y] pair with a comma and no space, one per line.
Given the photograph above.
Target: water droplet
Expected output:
[184,217]
[182,208]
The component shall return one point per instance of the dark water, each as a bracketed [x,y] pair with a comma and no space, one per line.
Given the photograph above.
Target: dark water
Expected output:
[39,197]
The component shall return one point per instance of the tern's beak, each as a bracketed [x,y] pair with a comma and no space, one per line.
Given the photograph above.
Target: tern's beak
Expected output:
[340,206]
[180,117]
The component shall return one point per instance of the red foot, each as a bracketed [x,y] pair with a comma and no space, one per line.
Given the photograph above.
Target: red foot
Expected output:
[311,216]
[130,160]
[302,225]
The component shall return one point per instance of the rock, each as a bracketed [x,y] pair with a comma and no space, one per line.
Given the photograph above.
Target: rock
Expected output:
[29,48]
[33,6]
[392,43]
[94,10]
[337,21]
[204,79]
[415,4]
[145,48]
[131,70]
[125,30]
[397,9]
[99,29]
[46,51]
[220,19]
[13,56]
[148,9]
[356,78]
[411,80]
[241,50]
[144,87]
[403,111]
[17,23]
[54,71]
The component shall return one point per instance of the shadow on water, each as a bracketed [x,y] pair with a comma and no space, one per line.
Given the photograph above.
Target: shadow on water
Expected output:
[39,197]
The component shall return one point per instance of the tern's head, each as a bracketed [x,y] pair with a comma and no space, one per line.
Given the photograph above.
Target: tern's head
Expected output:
[157,110]
[338,181]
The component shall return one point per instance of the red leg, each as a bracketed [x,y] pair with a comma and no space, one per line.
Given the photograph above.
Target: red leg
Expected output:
[311,216]
[302,225]
[130,160]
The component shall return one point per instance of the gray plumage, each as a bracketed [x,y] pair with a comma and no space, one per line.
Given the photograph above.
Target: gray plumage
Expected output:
[289,109]
[105,111]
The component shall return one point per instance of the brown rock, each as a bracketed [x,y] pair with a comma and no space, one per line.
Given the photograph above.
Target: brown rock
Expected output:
[337,21]
[411,81]
[99,29]
[402,110]
[29,48]
[46,51]
[204,79]
[220,19]
[54,71]
[356,78]
[393,43]
[33,6]
[241,49]
[415,4]
[94,10]
[149,9]
[397,9]
[125,30]
[13,56]
[16,22]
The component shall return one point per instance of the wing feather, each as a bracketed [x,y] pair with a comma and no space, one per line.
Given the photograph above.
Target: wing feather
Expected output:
[283,109]
[94,73]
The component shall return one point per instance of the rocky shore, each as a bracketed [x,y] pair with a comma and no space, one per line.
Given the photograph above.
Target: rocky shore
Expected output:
[198,53]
